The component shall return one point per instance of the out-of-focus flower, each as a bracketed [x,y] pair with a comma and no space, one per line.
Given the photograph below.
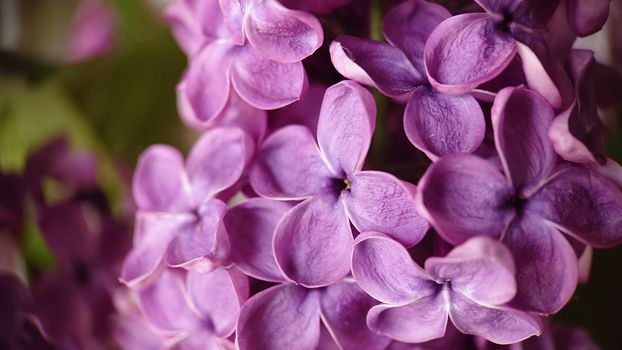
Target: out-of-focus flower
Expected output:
[93,31]
[178,218]
[314,239]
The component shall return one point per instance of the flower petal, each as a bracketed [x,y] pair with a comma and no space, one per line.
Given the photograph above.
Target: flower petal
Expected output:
[203,244]
[344,308]
[313,242]
[207,81]
[281,34]
[465,51]
[346,124]
[439,124]
[275,175]
[280,318]
[409,24]
[530,13]
[583,203]
[217,160]
[264,83]
[501,326]
[160,182]
[417,322]
[537,76]
[585,17]
[463,196]
[152,236]
[187,18]
[233,17]
[383,269]
[218,296]
[165,304]
[251,227]
[521,120]
[546,265]
[376,64]
[482,269]
[380,202]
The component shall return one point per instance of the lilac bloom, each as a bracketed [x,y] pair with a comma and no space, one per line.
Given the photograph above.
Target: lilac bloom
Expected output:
[314,240]
[252,49]
[196,310]
[93,31]
[467,50]
[470,286]
[290,316]
[178,217]
[435,123]
[465,196]
[587,17]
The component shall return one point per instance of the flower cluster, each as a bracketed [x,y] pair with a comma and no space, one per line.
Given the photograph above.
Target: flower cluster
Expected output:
[277,234]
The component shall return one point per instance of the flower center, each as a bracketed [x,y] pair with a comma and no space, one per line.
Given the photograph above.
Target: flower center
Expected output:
[504,25]
[341,185]
[517,202]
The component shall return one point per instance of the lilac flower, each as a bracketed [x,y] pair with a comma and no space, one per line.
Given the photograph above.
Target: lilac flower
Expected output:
[435,123]
[197,310]
[287,315]
[314,240]
[585,17]
[467,50]
[469,286]
[93,31]
[252,49]
[465,196]
[179,216]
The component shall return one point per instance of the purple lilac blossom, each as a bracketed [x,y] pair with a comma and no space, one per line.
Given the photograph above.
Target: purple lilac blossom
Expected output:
[250,49]
[289,315]
[179,214]
[93,31]
[470,286]
[467,50]
[314,239]
[527,205]
[435,123]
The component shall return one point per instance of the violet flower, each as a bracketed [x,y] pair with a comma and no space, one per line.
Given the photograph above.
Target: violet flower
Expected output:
[465,196]
[314,240]
[93,31]
[197,310]
[467,50]
[435,123]
[252,49]
[469,286]
[178,217]
[289,316]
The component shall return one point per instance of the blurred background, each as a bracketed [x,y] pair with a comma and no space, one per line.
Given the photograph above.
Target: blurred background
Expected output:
[102,74]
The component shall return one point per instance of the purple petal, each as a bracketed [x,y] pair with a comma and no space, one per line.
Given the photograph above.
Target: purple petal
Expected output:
[481,269]
[501,326]
[537,76]
[380,202]
[217,161]
[202,244]
[521,120]
[264,83]
[376,64]
[251,227]
[275,175]
[409,24]
[383,268]
[464,196]
[186,18]
[152,236]
[465,51]
[233,18]
[207,82]
[346,124]
[159,182]
[587,17]
[565,143]
[344,308]
[218,296]
[546,265]
[164,303]
[313,242]
[93,31]
[281,34]
[283,317]
[583,203]
[440,124]
[417,322]
[531,13]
